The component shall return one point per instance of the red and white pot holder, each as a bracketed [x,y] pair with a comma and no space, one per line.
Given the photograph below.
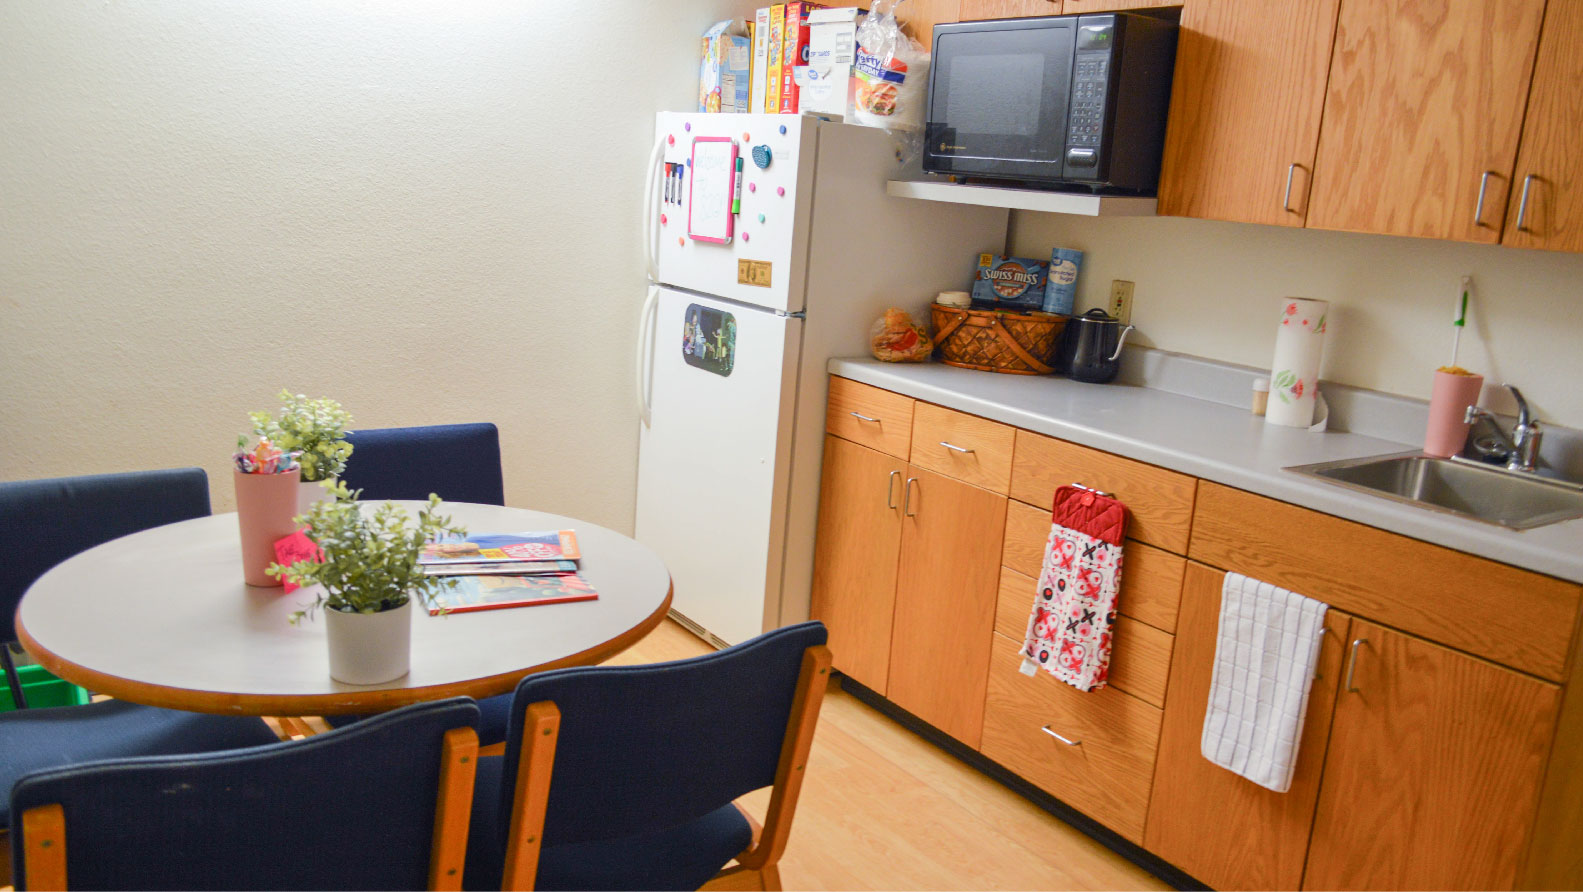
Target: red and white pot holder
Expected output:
[1074,610]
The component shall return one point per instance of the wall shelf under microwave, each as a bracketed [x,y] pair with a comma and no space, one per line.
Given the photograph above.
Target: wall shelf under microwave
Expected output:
[1025,199]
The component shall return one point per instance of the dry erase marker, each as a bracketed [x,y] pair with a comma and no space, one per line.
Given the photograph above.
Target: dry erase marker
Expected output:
[736,189]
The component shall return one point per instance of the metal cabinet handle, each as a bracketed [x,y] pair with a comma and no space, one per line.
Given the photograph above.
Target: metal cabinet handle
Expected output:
[906,502]
[1286,203]
[861,417]
[1068,742]
[1522,206]
[1323,631]
[1478,210]
[890,489]
[954,448]
[1352,664]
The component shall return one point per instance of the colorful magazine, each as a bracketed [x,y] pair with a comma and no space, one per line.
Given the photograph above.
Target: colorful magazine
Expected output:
[503,568]
[482,548]
[497,592]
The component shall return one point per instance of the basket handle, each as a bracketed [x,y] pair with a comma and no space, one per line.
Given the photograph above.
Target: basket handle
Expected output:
[959,316]
[1016,348]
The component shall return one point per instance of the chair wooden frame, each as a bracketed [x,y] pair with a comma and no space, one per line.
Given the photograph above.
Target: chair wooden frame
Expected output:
[756,867]
[44,827]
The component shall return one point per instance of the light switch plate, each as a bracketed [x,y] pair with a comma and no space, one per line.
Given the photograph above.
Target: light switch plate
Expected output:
[1120,304]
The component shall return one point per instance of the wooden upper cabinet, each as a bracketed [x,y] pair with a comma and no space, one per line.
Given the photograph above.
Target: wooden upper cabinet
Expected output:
[1245,109]
[973,10]
[1434,769]
[1073,7]
[1218,826]
[1550,163]
[918,18]
[1422,116]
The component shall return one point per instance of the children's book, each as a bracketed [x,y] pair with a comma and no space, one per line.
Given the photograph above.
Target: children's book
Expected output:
[473,593]
[482,548]
[503,568]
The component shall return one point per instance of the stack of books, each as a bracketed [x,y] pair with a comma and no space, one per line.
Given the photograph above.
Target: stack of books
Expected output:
[496,570]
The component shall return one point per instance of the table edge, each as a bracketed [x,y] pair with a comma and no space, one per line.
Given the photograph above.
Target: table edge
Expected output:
[342,703]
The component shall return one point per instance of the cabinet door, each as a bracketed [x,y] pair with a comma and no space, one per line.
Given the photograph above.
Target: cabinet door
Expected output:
[854,576]
[918,18]
[1245,108]
[945,602]
[1550,163]
[973,10]
[1433,771]
[1222,828]
[1422,116]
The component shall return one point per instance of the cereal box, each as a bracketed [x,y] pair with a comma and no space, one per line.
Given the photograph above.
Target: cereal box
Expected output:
[723,68]
[1009,283]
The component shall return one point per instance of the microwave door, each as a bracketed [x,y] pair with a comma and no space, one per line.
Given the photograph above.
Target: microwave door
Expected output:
[999,96]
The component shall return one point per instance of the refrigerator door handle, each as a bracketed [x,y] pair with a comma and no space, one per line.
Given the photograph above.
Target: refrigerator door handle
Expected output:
[650,210]
[645,355]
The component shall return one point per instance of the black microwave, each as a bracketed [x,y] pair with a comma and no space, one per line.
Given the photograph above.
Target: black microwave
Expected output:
[1075,100]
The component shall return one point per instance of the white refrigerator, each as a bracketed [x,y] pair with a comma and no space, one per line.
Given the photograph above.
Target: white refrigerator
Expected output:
[746,303]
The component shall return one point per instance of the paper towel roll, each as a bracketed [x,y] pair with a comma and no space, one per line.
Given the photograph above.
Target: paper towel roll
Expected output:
[1294,373]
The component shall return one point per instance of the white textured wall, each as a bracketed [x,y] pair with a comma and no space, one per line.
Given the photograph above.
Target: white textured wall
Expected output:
[1213,289]
[427,210]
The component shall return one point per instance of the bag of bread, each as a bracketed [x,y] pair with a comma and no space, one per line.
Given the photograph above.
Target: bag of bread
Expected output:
[896,338]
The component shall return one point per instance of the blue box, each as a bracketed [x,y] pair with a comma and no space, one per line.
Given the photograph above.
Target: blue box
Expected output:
[1009,283]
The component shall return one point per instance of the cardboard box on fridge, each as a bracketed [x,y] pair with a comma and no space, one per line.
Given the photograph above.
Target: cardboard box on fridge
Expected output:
[724,68]
[794,52]
[832,47]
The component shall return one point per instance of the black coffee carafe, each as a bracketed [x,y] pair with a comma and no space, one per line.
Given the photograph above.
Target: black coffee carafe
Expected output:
[1091,347]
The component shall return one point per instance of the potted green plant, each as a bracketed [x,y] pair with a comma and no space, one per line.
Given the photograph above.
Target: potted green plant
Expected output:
[316,430]
[368,576]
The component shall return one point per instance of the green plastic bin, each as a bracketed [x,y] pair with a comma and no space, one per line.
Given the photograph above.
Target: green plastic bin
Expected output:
[42,689]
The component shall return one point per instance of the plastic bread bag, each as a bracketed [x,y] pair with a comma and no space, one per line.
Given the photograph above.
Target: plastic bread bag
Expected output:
[896,338]
[890,80]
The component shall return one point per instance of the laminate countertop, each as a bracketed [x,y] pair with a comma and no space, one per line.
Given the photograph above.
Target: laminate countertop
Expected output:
[1217,442]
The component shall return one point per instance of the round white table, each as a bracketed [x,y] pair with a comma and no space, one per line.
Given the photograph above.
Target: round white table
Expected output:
[162,617]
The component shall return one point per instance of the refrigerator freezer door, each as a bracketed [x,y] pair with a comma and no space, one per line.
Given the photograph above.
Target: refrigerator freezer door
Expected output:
[764,262]
[714,459]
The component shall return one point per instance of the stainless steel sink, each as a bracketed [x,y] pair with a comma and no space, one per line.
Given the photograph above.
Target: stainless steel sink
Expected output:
[1515,499]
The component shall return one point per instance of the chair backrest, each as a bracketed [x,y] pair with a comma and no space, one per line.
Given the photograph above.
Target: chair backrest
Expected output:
[461,462]
[48,521]
[643,748]
[355,808]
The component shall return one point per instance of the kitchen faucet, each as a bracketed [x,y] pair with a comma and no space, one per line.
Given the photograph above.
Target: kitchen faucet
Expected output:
[1522,447]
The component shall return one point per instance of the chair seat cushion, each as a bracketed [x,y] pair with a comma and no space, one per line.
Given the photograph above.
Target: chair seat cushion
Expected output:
[682,857]
[35,739]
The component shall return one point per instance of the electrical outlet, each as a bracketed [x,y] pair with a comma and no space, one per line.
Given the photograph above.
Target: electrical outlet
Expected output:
[1120,304]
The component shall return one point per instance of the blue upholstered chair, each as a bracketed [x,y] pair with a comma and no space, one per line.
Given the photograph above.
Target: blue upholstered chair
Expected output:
[646,764]
[381,805]
[461,462]
[47,521]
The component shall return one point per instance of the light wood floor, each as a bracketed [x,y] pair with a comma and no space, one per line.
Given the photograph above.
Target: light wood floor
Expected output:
[883,809]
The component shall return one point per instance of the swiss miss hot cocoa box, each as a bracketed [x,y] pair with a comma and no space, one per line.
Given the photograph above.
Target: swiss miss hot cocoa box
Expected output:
[1009,283]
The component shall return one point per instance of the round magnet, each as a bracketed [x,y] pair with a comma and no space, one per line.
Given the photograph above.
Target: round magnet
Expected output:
[745,237]
[753,187]
[761,218]
[762,156]
[780,190]
[663,220]
[670,140]
[783,130]
[745,137]
[681,241]
[688,126]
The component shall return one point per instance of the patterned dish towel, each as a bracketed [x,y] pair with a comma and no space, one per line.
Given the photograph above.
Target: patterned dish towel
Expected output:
[1265,655]
[1069,631]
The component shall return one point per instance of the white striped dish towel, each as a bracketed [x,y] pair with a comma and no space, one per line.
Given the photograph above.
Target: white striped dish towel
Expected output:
[1265,654]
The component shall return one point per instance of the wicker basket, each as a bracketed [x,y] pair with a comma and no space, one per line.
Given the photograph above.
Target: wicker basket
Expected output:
[996,340]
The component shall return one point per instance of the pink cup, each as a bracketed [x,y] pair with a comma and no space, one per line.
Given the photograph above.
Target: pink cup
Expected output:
[1448,407]
[265,505]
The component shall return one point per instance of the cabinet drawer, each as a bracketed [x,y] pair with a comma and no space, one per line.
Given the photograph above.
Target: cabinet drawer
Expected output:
[982,453]
[1106,775]
[1140,661]
[870,416]
[1159,502]
[1151,579]
[1493,610]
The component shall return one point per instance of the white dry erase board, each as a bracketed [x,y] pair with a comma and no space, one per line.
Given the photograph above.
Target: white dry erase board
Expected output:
[709,217]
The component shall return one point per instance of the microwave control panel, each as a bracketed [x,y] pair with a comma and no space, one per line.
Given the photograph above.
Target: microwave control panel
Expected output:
[1085,123]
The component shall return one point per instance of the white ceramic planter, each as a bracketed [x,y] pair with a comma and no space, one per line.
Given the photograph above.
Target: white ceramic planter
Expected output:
[369,648]
[308,493]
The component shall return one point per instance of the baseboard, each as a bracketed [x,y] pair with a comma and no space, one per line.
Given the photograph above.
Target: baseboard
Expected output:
[1122,846]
